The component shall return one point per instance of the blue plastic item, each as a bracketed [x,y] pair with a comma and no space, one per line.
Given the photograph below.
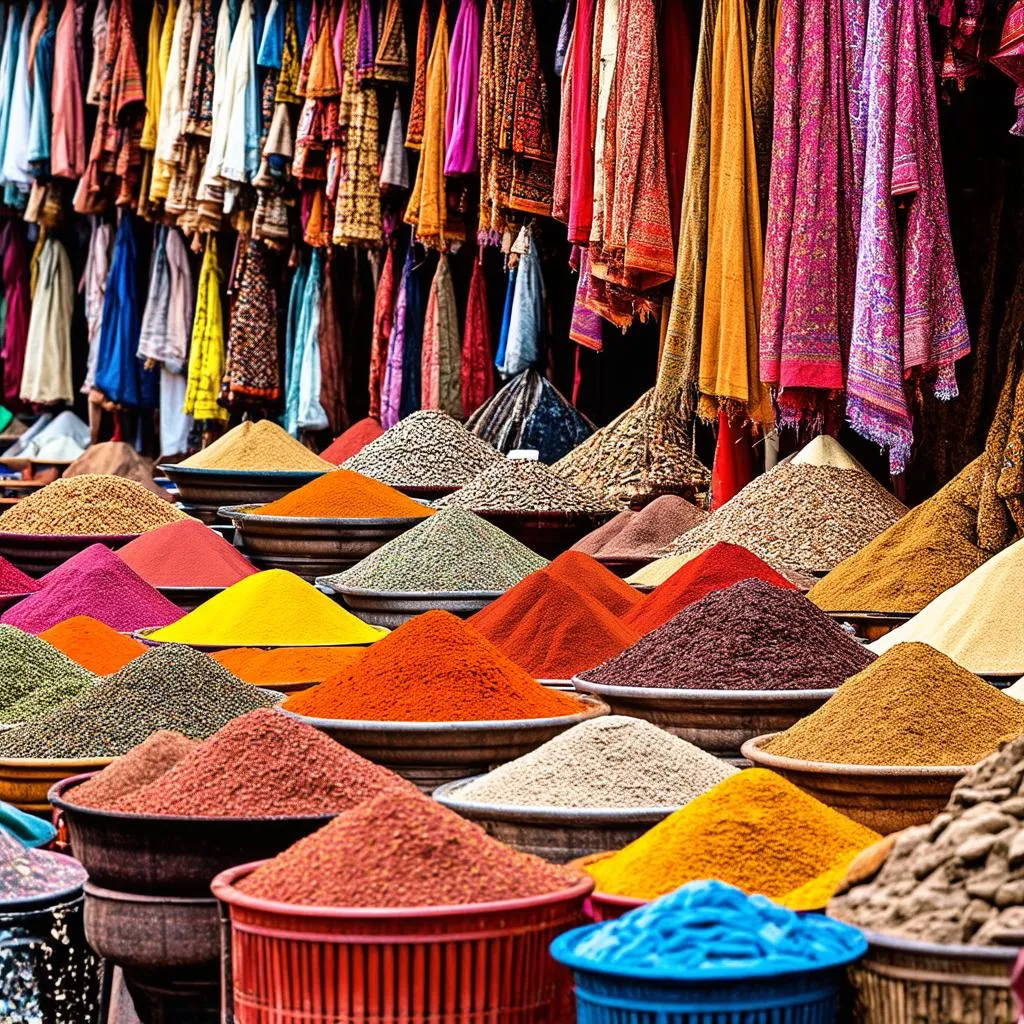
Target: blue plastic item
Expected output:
[26,828]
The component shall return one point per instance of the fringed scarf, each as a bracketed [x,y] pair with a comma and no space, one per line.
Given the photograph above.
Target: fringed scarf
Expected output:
[383,320]
[441,386]
[477,368]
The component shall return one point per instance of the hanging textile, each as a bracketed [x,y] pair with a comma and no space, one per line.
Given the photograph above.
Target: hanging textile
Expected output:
[311,415]
[564,37]
[585,328]
[383,321]
[734,460]
[442,352]
[175,424]
[93,286]
[11,24]
[526,317]
[461,155]
[394,168]
[391,63]
[477,373]
[493,164]
[418,108]
[46,376]
[67,146]
[676,49]
[206,356]
[367,48]
[40,118]
[391,392]
[291,369]
[175,36]
[412,342]
[99,49]
[14,169]
[506,317]
[331,344]
[14,279]
[153,328]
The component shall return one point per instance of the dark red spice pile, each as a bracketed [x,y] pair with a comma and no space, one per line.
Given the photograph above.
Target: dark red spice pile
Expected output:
[403,850]
[14,581]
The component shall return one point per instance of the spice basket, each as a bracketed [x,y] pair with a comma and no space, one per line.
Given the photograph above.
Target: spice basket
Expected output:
[548,534]
[189,598]
[37,553]
[558,834]
[885,798]
[871,625]
[718,721]
[310,547]
[318,965]
[392,608]
[902,980]
[26,781]
[432,753]
[165,855]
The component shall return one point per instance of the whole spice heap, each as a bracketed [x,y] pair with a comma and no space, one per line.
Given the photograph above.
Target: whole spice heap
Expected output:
[352,441]
[26,873]
[402,850]
[750,636]
[186,554]
[93,644]
[14,581]
[552,629]
[592,543]
[343,494]
[524,485]
[261,447]
[959,879]
[913,706]
[606,762]
[719,567]
[643,534]
[97,583]
[755,830]
[271,609]
[426,449]
[171,687]
[34,676]
[287,664]
[590,577]
[89,505]
[453,551]
[804,517]
[433,668]
[977,622]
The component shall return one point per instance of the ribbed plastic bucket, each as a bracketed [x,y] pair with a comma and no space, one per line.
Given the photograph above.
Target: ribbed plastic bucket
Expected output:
[488,962]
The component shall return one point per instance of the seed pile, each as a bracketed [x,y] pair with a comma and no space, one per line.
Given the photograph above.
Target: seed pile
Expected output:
[287,664]
[804,517]
[590,577]
[524,485]
[186,554]
[14,581]
[959,879]
[352,441]
[93,644]
[455,550]
[402,850]
[426,449]
[89,505]
[750,636]
[343,494]
[606,762]
[34,676]
[26,873]
[646,532]
[913,706]
[97,583]
[170,687]
[261,447]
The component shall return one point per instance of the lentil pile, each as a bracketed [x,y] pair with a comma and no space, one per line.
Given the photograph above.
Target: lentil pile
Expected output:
[426,449]
[14,581]
[590,577]
[750,636]
[93,644]
[754,830]
[454,550]
[287,664]
[26,873]
[261,447]
[34,676]
[270,609]
[352,441]
[646,532]
[97,583]
[89,505]
[433,668]
[172,687]
[606,762]
[959,879]
[804,517]
[343,494]
[402,850]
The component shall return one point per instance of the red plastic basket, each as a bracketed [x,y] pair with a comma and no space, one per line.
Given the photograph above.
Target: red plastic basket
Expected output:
[602,906]
[487,963]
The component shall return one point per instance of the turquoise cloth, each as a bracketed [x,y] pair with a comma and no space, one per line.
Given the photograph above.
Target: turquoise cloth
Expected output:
[26,828]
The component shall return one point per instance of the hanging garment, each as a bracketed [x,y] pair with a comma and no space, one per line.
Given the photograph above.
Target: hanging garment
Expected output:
[11,25]
[14,279]
[14,170]
[153,329]
[383,322]
[412,347]
[506,317]
[331,345]
[367,46]
[461,155]
[488,120]
[418,108]
[241,104]
[290,420]
[585,328]
[442,353]
[155,71]
[99,51]
[93,286]
[606,49]
[311,415]
[175,423]
[394,168]
[40,118]
[391,392]
[526,319]
[676,48]
[175,34]
[67,146]
[391,63]
[206,356]
[564,37]
[46,376]
[477,374]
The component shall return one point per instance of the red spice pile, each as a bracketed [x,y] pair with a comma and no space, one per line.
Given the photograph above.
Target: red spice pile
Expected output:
[719,567]
[186,554]
[93,644]
[14,581]
[403,850]
[434,668]
[590,577]
[352,441]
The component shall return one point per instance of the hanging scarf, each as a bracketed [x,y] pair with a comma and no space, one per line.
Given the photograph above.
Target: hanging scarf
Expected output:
[94,286]
[506,317]
[14,169]
[391,394]
[391,62]
[418,109]
[153,329]
[606,39]
[441,353]
[206,357]
[394,168]
[412,347]
[14,278]
[67,146]
[8,71]
[487,122]
[383,321]
[331,343]
[477,377]
[677,65]
[564,38]
[290,419]
[526,318]
[310,414]
[462,156]
[46,376]
[367,44]
[585,328]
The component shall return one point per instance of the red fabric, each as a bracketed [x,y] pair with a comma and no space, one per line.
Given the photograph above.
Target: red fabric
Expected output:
[1017,984]
[734,461]
[477,360]
[14,280]
[581,183]
[677,61]
[383,319]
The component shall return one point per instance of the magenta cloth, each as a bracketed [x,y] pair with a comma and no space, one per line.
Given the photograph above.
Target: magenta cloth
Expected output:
[14,279]
[94,582]
[339,40]
[581,130]
[585,328]
[462,156]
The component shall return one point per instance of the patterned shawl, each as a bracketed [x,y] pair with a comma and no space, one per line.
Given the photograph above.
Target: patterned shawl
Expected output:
[383,320]
[391,63]
[477,366]
[418,109]
[441,354]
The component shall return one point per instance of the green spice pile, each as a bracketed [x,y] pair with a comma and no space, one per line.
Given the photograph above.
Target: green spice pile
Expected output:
[261,447]
[35,677]
[454,550]
[172,687]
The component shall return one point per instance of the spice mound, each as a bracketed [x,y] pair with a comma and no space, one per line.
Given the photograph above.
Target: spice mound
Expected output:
[434,668]
[25,873]
[343,494]
[186,554]
[958,879]
[755,830]
[35,677]
[93,644]
[643,534]
[803,517]
[403,850]
[352,441]
[454,550]
[261,447]
[270,609]
[750,636]
[97,583]
[590,577]
[287,664]
[719,567]
[171,687]
[14,581]
[913,706]
[606,762]
[89,505]
[426,449]
[117,458]
[524,485]
[977,622]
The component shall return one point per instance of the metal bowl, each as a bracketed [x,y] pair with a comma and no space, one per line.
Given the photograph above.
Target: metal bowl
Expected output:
[392,608]
[871,625]
[26,781]
[558,834]
[37,553]
[190,598]
[718,721]
[885,798]
[549,534]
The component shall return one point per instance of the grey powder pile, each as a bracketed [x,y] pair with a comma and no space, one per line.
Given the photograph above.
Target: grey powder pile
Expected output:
[172,687]
[454,550]
[800,516]
[34,676]
[426,449]
[606,762]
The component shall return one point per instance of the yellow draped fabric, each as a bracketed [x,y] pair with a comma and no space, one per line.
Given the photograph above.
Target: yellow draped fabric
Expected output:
[206,357]
[154,76]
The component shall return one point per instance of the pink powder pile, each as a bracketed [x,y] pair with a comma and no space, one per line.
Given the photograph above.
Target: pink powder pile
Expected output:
[95,582]
[14,581]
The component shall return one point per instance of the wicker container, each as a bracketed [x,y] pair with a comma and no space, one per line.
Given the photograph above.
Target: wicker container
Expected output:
[393,608]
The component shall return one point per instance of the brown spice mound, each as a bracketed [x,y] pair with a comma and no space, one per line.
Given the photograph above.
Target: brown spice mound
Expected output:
[913,706]
[660,523]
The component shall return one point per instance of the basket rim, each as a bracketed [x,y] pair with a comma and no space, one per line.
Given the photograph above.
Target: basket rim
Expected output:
[899,943]
[645,693]
[240,515]
[407,595]
[93,538]
[229,474]
[58,763]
